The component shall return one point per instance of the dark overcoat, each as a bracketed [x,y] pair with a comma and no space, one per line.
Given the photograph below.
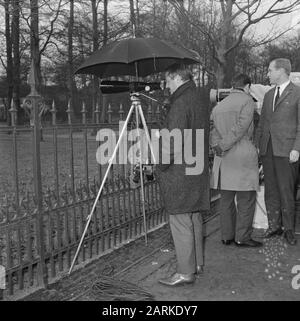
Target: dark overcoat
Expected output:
[181,192]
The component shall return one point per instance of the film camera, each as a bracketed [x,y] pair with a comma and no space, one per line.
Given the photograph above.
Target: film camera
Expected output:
[114,86]
[147,172]
[216,95]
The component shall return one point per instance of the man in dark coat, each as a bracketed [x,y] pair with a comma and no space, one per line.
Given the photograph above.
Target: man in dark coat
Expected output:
[278,140]
[184,177]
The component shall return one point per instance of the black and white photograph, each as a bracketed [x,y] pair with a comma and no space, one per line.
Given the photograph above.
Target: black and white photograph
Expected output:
[149,154]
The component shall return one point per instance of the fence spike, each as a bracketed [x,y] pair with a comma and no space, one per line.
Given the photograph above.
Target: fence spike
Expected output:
[53,111]
[149,112]
[83,113]
[109,112]
[121,112]
[97,112]
[13,111]
[68,111]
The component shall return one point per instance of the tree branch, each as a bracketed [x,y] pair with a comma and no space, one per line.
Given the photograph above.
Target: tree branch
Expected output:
[51,27]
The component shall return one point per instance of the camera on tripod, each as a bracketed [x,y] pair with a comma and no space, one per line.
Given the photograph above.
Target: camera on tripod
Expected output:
[147,170]
[114,86]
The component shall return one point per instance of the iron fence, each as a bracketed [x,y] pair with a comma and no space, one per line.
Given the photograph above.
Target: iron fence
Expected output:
[50,185]
[50,179]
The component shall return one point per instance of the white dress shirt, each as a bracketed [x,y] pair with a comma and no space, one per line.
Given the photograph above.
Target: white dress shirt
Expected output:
[281,89]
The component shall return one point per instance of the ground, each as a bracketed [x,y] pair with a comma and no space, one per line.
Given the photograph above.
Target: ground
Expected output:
[231,274]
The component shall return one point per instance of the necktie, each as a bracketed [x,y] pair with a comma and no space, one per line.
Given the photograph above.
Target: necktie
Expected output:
[276,97]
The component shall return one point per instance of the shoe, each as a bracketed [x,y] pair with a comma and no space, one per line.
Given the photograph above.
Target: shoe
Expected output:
[249,243]
[199,270]
[269,233]
[290,238]
[178,279]
[227,242]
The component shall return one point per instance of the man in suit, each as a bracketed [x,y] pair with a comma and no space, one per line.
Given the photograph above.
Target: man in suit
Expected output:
[185,194]
[278,141]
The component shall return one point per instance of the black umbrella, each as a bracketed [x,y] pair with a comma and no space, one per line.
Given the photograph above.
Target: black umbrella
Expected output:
[136,57]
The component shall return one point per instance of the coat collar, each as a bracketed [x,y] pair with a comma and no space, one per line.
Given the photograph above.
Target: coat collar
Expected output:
[181,89]
[237,90]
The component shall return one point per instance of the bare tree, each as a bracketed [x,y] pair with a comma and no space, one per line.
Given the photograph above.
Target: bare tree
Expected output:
[40,34]
[35,40]
[71,84]
[132,18]
[9,64]
[236,17]
[138,30]
[95,4]
[105,39]
[15,30]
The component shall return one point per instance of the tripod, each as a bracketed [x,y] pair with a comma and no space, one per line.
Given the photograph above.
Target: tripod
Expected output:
[135,106]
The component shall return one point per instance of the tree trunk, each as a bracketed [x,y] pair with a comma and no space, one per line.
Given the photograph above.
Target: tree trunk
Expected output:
[105,36]
[132,18]
[16,56]
[221,58]
[9,67]
[95,47]
[34,41]
[138,31]
[70,60]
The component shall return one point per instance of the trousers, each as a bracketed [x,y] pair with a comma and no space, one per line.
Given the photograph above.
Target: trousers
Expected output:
[280,178]
[237,219]
[187,233]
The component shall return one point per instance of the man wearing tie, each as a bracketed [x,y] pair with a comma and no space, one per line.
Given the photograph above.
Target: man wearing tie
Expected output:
[278,140]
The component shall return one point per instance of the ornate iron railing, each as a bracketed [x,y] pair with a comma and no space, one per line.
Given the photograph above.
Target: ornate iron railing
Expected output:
[50,179]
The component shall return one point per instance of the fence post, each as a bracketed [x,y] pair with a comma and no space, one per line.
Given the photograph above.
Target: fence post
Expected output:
[13,111]
[53,111]
[149,113]
[109,112]
[34,100]
[68,111]
[121,112]
[157,113]
[83,113]
[97,112]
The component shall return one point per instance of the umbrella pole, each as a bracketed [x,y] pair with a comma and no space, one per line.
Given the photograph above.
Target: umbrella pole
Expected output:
[89,217]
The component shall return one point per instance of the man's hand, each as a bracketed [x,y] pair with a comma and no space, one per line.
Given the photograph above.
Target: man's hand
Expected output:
[294,156]
[217,150]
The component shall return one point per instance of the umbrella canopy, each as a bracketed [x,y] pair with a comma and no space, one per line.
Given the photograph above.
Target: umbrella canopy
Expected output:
[137,57]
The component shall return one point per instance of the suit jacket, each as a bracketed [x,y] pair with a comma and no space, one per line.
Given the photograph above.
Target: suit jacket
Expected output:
[281,125]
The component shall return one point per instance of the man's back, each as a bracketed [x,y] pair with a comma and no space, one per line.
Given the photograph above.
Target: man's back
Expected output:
[227,113]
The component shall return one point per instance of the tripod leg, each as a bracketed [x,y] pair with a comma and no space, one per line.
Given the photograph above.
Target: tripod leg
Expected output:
[102,185]
[141,172]
[147,132]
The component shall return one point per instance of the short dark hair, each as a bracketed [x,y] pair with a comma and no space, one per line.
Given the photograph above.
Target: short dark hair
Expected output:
[181,70]
[284,64]
[241,80]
